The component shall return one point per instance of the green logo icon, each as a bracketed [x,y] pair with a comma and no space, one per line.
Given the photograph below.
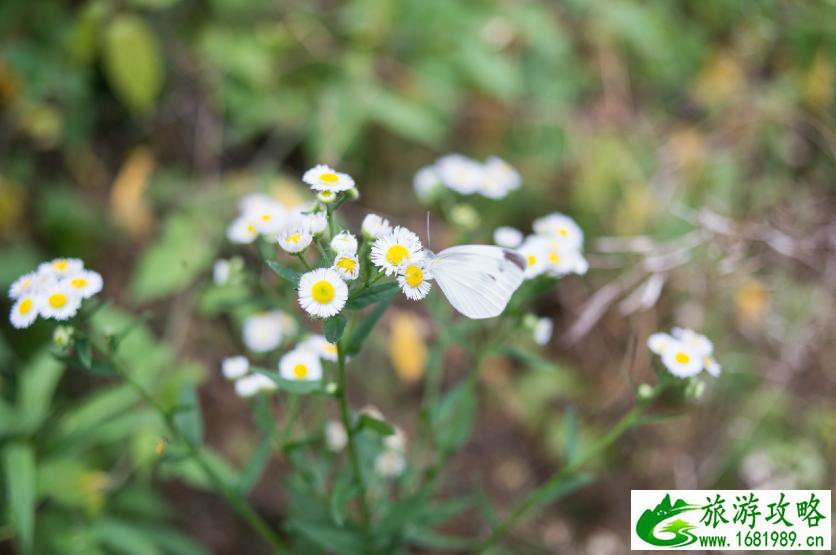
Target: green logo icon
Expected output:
[681,529]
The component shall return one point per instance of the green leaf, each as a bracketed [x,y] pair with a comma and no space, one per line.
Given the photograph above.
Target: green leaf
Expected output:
[133,63]
[365,327]
[189,419]
[19,462]
[254,468]
[571,422]
[333,328]
[344,490]
[403,116]
[371,295]
[550,493]
[84,350]
[375,425]
[285,273]
[436,541]
[453,416]
[175,260]
[296,387]
[37,384]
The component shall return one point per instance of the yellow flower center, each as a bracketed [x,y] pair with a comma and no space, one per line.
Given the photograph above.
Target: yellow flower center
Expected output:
[25,306]
[300,371]
[563,232]
[61,265]
[266,217]
[396,254]
[554,258]
[251,228]
[57,300]
[329,348]
[414,276]
[295,238]
[682,358]
[346,264]
[329,178]
[532,260]
[322,292]
[79,283]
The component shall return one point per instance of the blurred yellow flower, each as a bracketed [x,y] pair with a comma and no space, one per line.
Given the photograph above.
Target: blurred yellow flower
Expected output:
[407,348]
[818,86]
[721,79]
[131,211]
[751,301]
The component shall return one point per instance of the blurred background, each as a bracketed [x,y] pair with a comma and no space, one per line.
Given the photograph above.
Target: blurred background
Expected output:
[693,142]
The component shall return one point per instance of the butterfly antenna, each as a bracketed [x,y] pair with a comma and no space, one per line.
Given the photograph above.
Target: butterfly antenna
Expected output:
[429,242]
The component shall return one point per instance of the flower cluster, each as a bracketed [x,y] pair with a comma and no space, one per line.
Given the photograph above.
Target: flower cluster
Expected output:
[292,227]
[55,290]
[555,248]
[302,363]
[494,178]
[684,352]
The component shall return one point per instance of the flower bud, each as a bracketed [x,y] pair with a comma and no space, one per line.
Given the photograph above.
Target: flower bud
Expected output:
[465,216]
[645,391]
[62,336]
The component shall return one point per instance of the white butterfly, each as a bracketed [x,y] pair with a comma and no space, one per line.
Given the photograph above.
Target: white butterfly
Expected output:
[478,280]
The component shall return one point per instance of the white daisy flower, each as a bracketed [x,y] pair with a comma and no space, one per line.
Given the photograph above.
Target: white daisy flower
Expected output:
[395,249]
[460,173]
[426,183]
[251,385]
[300,365]
[347,265]
[315,222]
[508,237]
[335,436]
[86,283]
[268,218]
[235,367]
[390,463]
[322,292]
[699,343]
[562,259]
[415,280]
[344,242]
[60,267]
[318,345]
[27,283]
[323,178]
[24,312]
[395,441]
[263,332]
[242,230]
[533,250]
[559,227]
[253,202]
[500,178]
[59,301]
[711,366]
[659,342]
[374,226]
[681,360]
[326,197]
[543,330]
[294,238]
[220,272]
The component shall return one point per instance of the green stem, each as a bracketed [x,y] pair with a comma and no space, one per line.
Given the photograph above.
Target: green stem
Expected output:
[540,495]
[342,396]
[238,502]
[304,262]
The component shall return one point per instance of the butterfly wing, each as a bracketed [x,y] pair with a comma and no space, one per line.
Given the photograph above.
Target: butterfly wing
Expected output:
[478,280]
